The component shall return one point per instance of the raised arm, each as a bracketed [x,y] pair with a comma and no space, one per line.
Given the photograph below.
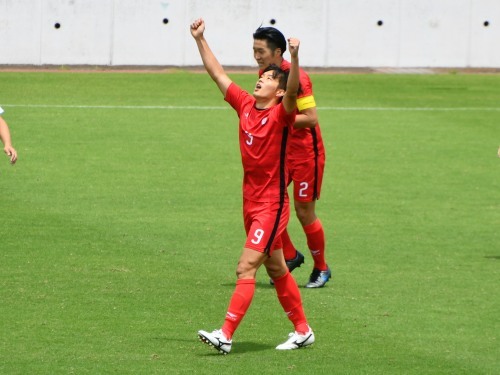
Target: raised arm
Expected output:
[292,86]
[213,67]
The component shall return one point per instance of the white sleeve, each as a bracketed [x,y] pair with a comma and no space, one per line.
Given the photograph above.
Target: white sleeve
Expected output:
[1,110]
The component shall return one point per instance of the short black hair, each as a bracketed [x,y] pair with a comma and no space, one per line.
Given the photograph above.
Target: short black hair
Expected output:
[273,37]
[279,74]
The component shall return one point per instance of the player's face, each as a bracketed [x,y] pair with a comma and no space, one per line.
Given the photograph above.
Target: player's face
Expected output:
[263,54]
[267,86]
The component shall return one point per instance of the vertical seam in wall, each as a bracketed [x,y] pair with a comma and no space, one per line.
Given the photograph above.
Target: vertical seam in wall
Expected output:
[469,41]
[41,32]
[327,31]
[112,33]
[400,23]
[188,34]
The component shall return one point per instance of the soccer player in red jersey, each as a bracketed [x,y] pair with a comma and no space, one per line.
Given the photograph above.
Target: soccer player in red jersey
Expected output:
[265,118]
[305,159]
[6,140]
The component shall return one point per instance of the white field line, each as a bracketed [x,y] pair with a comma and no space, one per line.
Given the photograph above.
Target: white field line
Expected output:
[204,108]
[112,106]
[406,109]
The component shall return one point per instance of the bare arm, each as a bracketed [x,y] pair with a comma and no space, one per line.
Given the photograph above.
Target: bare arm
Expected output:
[292,86]
[307,118]
[212,65]
[5,138]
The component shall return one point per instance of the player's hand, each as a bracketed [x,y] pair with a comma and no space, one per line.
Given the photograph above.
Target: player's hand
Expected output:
[12,153]
[293,46]
[198,28]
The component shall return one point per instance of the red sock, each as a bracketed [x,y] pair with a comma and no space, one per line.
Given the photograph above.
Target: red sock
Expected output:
[316,243]
[289,297]
[238,306]
[289,251]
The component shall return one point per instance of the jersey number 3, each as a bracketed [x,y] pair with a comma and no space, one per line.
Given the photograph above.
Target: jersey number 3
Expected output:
[249,141]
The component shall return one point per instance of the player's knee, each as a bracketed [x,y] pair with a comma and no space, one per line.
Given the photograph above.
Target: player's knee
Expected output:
[275,271]
[305,215]
[245,270]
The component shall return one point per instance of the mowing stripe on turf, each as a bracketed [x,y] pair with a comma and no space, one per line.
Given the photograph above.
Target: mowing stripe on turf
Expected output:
[204,108]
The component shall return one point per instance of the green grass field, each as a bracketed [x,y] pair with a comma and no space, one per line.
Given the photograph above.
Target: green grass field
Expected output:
[121,228]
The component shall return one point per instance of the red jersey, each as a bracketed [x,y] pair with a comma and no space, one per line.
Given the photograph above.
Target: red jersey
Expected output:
[263,136]
[304,143]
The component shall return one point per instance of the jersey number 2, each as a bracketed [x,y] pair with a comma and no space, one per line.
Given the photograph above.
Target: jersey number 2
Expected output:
[303,188]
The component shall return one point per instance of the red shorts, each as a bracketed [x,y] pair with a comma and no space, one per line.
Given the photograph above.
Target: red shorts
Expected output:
[264,223]
[307,177]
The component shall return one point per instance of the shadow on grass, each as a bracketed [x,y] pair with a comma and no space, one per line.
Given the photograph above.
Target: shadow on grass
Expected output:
[247,346]
[260,284]
[492,256]
[264,285]
[239,348]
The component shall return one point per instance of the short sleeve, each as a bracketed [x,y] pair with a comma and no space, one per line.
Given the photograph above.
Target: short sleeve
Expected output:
[236,97]
[285,119]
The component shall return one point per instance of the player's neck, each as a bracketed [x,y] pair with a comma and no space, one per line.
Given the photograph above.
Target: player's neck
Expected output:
[278,61]
[264,103]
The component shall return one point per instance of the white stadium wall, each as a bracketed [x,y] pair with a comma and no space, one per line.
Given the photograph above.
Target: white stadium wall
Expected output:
[334,33]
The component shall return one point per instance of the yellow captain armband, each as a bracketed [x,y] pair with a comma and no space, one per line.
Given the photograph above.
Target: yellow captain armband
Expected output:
[306,102]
